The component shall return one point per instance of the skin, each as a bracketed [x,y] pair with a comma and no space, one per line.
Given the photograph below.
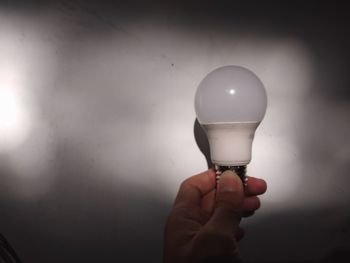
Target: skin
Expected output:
[203,225]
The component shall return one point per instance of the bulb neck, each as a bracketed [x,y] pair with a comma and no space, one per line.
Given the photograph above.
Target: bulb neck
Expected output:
[231,143]
[240,170]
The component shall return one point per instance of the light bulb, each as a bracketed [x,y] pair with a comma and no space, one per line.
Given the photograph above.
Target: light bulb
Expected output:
[230,103]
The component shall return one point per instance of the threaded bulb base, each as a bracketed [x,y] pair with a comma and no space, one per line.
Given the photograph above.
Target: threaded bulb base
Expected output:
[240,170]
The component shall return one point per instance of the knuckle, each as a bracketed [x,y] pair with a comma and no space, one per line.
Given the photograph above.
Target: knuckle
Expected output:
[186,183]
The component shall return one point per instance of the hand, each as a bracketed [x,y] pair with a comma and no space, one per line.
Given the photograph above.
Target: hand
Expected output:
[203,224]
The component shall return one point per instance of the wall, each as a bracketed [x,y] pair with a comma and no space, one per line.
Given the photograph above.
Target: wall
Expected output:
[97,123]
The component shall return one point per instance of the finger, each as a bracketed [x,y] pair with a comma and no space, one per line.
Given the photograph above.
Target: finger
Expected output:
[228,203]
[208,202]
[239,234]
[255,186]
[194,188]
[250,203]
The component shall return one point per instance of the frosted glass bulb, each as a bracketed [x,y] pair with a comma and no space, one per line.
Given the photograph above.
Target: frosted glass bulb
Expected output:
[230,103]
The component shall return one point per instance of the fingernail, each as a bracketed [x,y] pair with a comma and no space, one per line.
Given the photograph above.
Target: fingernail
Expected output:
[229,182]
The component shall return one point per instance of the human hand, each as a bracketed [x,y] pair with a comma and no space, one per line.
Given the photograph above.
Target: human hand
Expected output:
[204,222]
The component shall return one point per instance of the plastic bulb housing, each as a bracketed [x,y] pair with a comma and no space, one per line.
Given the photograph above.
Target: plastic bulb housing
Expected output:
[230,103]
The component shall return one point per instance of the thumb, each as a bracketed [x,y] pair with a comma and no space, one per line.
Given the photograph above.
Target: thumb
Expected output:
[228,203]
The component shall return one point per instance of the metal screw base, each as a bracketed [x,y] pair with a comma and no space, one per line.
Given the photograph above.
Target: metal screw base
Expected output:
[239,170]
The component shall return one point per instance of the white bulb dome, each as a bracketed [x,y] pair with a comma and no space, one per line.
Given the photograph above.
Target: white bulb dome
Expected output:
[230,103]
[230,94]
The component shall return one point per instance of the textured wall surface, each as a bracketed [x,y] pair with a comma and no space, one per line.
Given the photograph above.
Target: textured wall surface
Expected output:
[97,123]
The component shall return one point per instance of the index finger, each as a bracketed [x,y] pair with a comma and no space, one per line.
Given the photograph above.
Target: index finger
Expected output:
[194,188]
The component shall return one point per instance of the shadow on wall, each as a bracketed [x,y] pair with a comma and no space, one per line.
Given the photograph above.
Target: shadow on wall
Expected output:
[294,232]
[84,218]
[92,220]
[202,142]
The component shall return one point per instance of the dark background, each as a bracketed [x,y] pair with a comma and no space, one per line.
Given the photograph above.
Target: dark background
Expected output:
[103,129]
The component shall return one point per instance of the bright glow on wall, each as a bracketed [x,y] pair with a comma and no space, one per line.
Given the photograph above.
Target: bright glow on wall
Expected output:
[8,110]
[14,123]
[26,74]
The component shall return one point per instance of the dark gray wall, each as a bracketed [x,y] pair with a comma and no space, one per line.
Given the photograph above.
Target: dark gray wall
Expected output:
[97,123]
